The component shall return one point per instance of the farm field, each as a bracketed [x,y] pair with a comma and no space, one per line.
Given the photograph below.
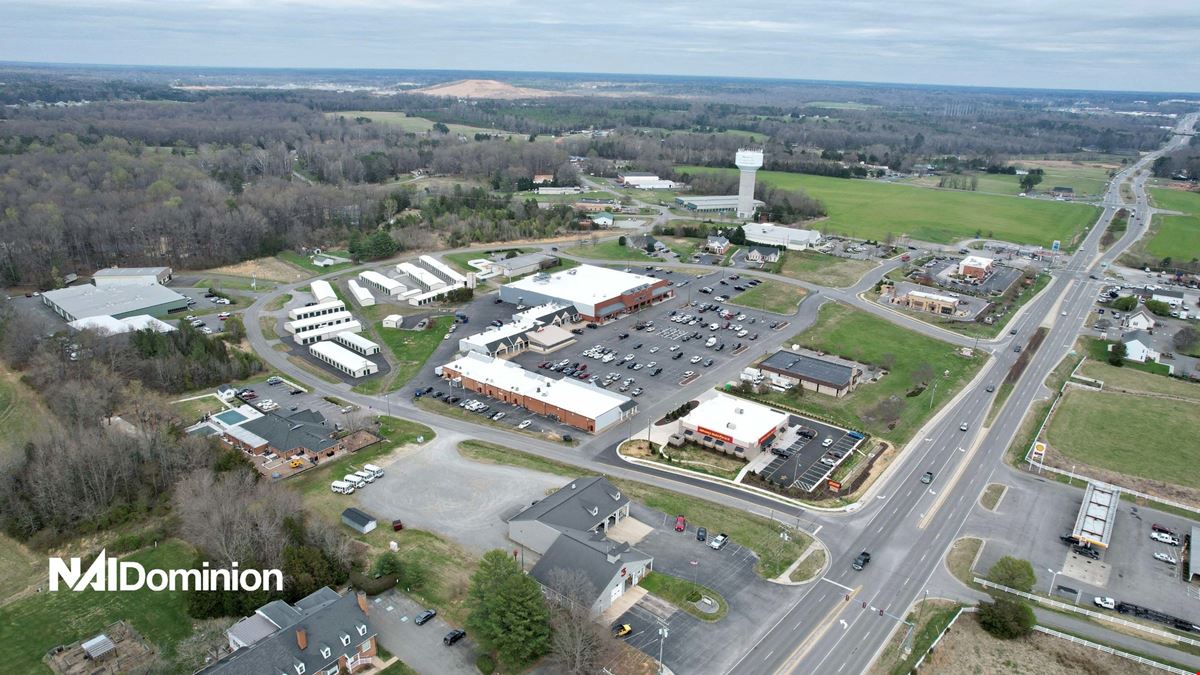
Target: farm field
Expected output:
[415,124]
[1175,237]
[1085,178]
[272,269]
[873,210]
[771,296]
[1096,429]
[49,619]
[865,338]
[824,269]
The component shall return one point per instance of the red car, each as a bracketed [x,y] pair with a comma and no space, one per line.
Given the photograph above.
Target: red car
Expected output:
[680,523]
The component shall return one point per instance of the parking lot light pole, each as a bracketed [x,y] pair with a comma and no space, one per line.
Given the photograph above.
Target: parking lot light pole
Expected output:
[1053,576]
[662,637]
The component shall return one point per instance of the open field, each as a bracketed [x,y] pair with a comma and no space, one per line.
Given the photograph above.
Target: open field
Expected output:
[967,648]
[19,567]
[755,533]
[417,125]
[821,268]
[1097,350]
[305,263]
[271,269]
[873,210]
[22,414]
[411,349]
[48,619]
[1140,436]
[771,296]
[1085,178]
[227,283]
[1127,379]
[192,410]
[461,258]
[1176,237]
[610,250]
[929,619]
[684,247]
[862,337]
[688,456]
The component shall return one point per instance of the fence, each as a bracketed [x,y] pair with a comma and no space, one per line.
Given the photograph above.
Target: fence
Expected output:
[1089,613]
[917,665]
[1109,650]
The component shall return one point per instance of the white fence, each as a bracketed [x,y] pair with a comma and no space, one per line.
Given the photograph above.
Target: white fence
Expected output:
[1087,612]
[1109,650]
[917,665]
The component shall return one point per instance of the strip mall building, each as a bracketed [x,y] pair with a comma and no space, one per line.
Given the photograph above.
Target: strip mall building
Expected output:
[597,293]
[733,425]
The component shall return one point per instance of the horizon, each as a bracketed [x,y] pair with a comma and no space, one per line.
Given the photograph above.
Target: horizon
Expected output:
[1085,45]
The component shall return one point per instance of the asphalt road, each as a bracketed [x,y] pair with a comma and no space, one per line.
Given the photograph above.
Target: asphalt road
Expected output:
[906,525]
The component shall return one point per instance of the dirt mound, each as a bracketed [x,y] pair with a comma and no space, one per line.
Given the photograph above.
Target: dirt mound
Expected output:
[484,89]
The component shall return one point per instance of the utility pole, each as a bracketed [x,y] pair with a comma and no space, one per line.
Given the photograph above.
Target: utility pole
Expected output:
[662,637]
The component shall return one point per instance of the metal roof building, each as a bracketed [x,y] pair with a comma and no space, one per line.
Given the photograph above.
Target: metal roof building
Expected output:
[712,204]
[595,292]
[791,238]
[132,275]
[356,343]
[323,291]
[361,295]
[1097,514]
[118,300]
[343,359]
[820,375]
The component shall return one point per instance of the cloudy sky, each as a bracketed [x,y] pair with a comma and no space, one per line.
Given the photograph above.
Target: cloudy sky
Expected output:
[1096,44]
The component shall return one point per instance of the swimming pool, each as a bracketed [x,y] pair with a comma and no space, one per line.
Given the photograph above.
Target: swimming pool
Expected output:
[230,417]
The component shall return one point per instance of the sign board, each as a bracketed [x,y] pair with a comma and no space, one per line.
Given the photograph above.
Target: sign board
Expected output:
[1039,450]
[834,485]
[1055,245]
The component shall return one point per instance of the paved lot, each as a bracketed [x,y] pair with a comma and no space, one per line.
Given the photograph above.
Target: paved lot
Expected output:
[434,488]
[803,465]
[655,345]
[695,646]
[1035,512]
[419,647]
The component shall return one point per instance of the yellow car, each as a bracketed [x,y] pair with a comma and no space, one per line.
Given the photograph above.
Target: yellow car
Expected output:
[296,463]
[622,630]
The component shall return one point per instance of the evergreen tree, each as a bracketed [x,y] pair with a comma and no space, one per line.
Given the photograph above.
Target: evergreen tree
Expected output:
[508,612]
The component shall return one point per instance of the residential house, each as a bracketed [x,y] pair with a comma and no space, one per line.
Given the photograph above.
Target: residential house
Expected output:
[1140,320]
[322,633]
[645,242]
[1139,347]
[543,179]
[603,220]
[762,254]
[567,529]
[300,432]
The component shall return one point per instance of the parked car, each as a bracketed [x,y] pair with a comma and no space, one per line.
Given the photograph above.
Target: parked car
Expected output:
[719,542]
[1106,603]
[622,630]
[1163,556]
[525,424]
[1164,538]
[454,636]
[861,561]
[680,523]
[701,533]
[1162,528]
[827,442]
[424,617]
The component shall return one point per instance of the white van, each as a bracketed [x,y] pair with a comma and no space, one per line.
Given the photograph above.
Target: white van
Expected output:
[341,487]
[374,469]
[355,481]
[368,476]
[711,341]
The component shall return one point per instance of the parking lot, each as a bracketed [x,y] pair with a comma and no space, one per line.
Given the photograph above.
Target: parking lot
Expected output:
[800,450]
[695,646]
[669,348]
[1031,519]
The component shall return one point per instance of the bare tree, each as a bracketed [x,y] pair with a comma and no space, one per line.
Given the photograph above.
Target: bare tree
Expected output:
[578,644]
[234,519]
[922,374]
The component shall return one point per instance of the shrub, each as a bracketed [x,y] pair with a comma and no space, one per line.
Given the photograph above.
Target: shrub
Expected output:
[1013,572]
[1006,619]
[485,664]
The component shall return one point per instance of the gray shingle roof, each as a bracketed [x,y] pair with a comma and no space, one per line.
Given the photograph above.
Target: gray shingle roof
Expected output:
[324,619]
[809,368]
[302,428]
[581,505]
[597,557]
[360,518]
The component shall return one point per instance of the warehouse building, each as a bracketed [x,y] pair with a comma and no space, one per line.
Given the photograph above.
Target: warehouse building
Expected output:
[145,276]
[343,359]
[791,238]
[713,204]
[119,300]
[381,284]
[823,376]
[357,343]
[110,326]
[319,309]
[733,425]
[322,291]
[596,293]
[569,401]
[522,264]
[361,295]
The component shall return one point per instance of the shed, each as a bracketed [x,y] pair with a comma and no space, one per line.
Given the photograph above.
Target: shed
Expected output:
[393,321]
[99,647]
[359,521]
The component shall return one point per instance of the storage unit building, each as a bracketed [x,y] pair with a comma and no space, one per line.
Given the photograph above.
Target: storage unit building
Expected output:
[361,295]
[381,284]
[322,291]
[357,343]
[319,309]
[343,359]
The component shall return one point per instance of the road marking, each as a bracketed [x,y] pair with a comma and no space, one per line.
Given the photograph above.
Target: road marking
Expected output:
[768,655]
[816,531]
[851,590]
[841,621]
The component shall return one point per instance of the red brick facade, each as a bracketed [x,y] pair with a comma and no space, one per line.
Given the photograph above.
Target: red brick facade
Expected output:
[531,404]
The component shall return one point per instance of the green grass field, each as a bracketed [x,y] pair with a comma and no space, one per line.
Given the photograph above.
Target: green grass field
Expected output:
[678,591]
[771,296]
[1176,237]
[19,567]
[610,250]
[824,269]
[872,210]
[228,283]
[1129,379]
[460,259]
[682,246]
[865,338]
[34,624]
[1133,435]
[420,124]
[411,349]
[305,263]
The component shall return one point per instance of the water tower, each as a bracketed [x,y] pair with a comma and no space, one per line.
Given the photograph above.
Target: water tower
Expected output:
[748,162]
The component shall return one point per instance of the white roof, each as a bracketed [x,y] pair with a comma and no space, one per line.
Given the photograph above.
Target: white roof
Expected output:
[746,422]
[976,261]
[111,299]
[335,352]
[363,295]
[319,307]
[357,341]
[934,296]
[550,335]
[438,265]
[778,233]
[380,280]
[113,326]
[422,275]
[584,399]
[347,327]
[585,285]
[300,325]
[322,291]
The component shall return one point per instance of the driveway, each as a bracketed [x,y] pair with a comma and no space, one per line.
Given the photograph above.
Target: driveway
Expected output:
[419,647]
[434,488]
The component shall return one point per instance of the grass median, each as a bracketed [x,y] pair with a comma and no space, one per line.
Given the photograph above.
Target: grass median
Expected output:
[756,533]
[685,594]
[771,296]
[822,268]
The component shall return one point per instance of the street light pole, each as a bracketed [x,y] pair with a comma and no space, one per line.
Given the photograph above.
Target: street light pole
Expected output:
[662,637]
[1053,577]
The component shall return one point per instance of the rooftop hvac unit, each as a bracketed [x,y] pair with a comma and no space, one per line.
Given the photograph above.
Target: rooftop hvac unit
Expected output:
[739,411]
[571,271]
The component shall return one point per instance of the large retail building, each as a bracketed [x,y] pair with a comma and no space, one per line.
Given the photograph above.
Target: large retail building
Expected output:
[597,293]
